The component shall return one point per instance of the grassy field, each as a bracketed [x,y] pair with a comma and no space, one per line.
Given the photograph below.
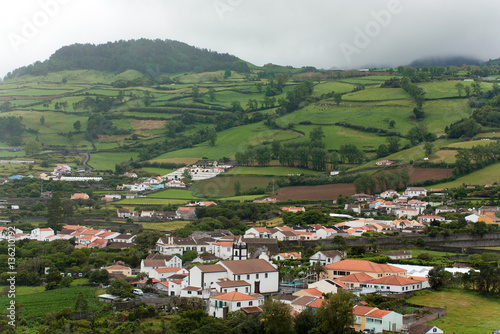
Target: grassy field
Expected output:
[150,201]
[165,226]
[329,86]
[38,304]
[108,160]
[487,175]
[173,194]
[467,312]
[231,141]
[269,171]
[377,94]
[472,143]
[159,171]
[224,186]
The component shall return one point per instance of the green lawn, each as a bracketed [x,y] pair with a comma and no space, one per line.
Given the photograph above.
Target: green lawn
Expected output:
[165,226]
[377,94]
[487,175]
[224,186]
[150,201]
[173,194]
[270,171]
[470,144]
[159,171]
[38,304]
[108,160]
[332,86]
[467,312]
[231,141]
[440,89]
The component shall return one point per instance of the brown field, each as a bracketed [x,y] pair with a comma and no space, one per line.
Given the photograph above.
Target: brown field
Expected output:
[326,191]
[146,124]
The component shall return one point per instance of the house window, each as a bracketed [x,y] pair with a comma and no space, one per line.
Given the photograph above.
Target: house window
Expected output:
[239,277]
[199,292]
[246,289]
[236,289]
[257,276]
[265,275]
[250,303]
[248,276]
[189,292]
[238,304]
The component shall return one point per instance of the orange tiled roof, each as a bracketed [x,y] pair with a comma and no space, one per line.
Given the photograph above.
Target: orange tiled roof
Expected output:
[378,313]
[394,280]
[363,266]
[234,296]
[167,270]
[362,310]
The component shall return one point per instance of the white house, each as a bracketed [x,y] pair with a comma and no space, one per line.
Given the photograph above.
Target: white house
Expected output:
[171,245]
[222,304]
[430,219]
[389,194]
[415,192]
[326,257]
[41,234]
[123,213]
[262,276]
[394,284]
[162,274]
[326,233]
[287,256]
[147,214]
[223,249]
[258,232]
[175,184]
[225,286]
[149,264]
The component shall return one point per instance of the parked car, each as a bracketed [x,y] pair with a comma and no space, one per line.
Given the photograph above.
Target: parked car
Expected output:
[138,292]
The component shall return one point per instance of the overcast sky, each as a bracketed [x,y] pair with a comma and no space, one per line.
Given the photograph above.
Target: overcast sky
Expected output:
[321,33]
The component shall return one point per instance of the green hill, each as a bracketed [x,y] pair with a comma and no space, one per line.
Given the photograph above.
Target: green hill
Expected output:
[150,57]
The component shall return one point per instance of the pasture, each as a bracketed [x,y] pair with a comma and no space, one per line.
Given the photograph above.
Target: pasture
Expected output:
[487,175]
[231,141]
[173,194]
[108,160]
[272,171]
[224,186]
[467,312]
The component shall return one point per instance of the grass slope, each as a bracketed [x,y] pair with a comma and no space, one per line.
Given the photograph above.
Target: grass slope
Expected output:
[467,312]
[38,304]
[487,175]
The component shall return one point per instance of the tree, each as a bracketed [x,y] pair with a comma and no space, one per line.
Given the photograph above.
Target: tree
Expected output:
[146,240]
[77,125]
[196,91]
[382,151]
[120,287]
[476,87]
[393,144]
[81,304]
[428,148]
[319,269]
[460,87]
[337,98]
[99,276]
[335,315]
[212,136]
[276,317]
[31,148]
[467,91]
[55,212]
[316,137]
[306,321]
[365,183]
[237,188]
[42,120]
[52,279]
[438,278]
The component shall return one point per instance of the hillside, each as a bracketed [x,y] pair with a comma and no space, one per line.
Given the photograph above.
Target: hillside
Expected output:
[264,117]
[150,57]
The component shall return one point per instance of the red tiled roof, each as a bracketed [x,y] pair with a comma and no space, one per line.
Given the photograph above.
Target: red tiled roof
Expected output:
[249,266]
[362,310]
[234,296]
[317,303]
[167,270]
[211,268]
[362,265]
[394,280]
[378,313]
[358,277]
[312,291]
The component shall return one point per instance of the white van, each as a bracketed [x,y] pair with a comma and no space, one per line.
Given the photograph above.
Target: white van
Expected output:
[138,292]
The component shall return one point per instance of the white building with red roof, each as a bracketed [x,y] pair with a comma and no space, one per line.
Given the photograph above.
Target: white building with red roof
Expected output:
[222,304]
[41,234]
[375,270]
[79,196]
[258,232]
[394,284]
[162,274]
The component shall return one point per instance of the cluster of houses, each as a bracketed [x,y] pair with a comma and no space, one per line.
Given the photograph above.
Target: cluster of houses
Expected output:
[232,281]
[84,236]
[61,172]
[200,170]
[187,212]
